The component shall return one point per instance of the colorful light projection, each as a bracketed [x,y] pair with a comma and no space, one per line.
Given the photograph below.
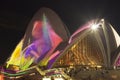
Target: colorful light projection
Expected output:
[44,34]
[45,40]
[41,42]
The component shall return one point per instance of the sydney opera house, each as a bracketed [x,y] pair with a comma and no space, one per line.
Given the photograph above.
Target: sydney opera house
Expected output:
[48,52]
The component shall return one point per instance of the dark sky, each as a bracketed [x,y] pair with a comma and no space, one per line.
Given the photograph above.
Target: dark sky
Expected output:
[16,14]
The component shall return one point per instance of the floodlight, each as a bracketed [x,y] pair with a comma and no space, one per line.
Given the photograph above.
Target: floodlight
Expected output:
[60,78]
[46,78]
[94,26]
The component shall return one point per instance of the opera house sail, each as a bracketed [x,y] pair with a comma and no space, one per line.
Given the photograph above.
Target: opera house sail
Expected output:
[93,44]
[45,38]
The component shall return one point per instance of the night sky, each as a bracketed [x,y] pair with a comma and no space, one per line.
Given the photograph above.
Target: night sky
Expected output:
[16,14]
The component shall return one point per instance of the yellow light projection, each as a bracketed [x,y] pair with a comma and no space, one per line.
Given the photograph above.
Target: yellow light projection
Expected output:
[15,57]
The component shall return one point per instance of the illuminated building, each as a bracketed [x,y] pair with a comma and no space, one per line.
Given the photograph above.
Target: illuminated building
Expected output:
[94,44]
[47,47]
